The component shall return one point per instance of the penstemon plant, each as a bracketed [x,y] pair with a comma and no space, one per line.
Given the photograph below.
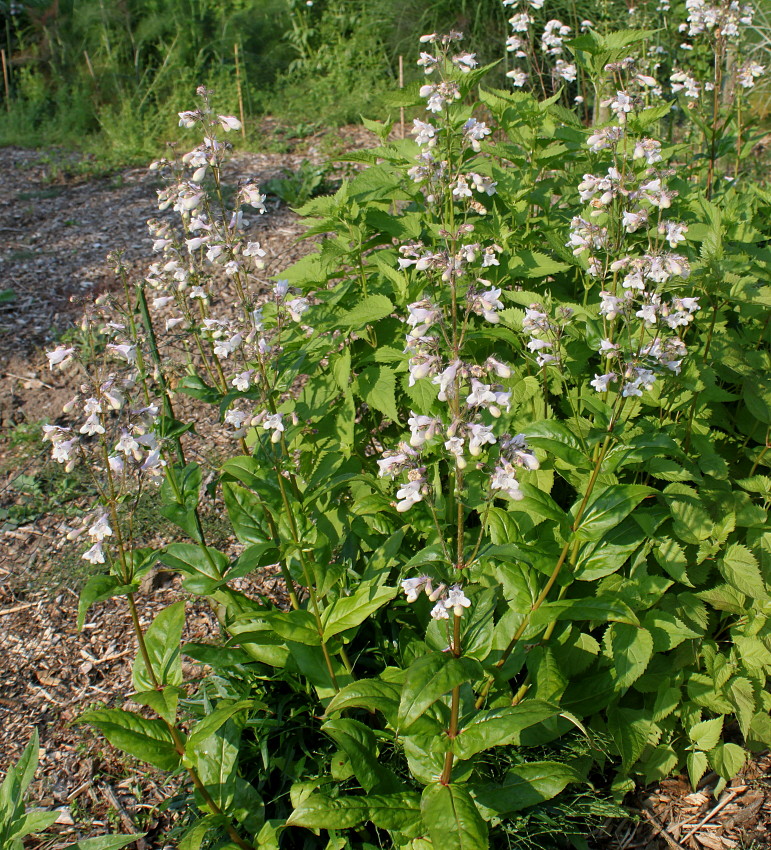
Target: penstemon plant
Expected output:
[503,437]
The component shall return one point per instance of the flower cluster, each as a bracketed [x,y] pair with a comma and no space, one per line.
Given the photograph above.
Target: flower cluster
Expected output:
[446,599]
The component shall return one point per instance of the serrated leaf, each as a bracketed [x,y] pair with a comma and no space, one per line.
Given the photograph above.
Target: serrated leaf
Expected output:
[377,386]
[631,650]
[739,568]
[630,730]
[696,763]
[705,735]
[727,760]
[370,309]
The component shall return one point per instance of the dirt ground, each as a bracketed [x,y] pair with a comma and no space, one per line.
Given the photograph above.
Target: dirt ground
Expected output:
[56,231]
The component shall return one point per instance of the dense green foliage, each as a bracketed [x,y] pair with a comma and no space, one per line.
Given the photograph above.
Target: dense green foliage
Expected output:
[504,433]
[110,76]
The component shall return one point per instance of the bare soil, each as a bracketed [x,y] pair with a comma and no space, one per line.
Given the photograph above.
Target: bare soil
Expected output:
[56,230]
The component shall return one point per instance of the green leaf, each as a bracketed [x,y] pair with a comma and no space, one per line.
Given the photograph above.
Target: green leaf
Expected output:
[377,386]
[739,568]
[347,612]
[208,725]
[320,812]
[430,678]
[299,626]
[671,558]
[631,650]
[696,763]
[501,726]
[162,640]
[370,309]
[706,735]
[690,520]
[30,823]
[147,740]
[452,818]
[246,513]
[369,694]
[192,560]
[359,744]
[608,509]
[105,842]
[630,730]
[163,703]
[727,760]
[596,609]
[526,785]
[557,440]
[216,759]
[96,590]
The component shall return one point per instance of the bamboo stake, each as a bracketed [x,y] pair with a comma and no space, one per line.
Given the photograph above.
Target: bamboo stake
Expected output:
[240,95]
[401,86]
[89,65]
[5,80]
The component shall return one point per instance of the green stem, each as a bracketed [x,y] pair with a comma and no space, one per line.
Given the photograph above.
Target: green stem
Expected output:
[452,731]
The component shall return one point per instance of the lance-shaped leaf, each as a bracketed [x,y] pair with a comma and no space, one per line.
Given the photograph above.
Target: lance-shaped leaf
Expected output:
[98,588]
[358,743]
[452,818]
[526,785]
[147,740]
[298,626]
[608,509]
[106,842]
[162,640]
[559,441]
[597,609]
[501,726]
[347,612]
[430,678]
[370,694]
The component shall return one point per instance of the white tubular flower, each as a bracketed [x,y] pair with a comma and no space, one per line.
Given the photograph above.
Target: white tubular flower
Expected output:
[60,356]
[475,131]
[446,379]
[229,122]
[487,186]
[427,62]
[602,382]
[422,315]
[498,367]
[454,446]
[608,348]
[188,121]
[243,380]
[456,600]
[411,493]
[487,303]
[95,554]
[674,232]
[127,352]
[440,612]
[520,22]
[747,74]
[274,423]
[393,462]
[480,395]
[100,529]
[461,188]
[481,435]
[423,428]
[251,196]
[566,70]
[62,451]
[504,478]
[518,77]
[413,586]
[296,308]
[116,464]
[465,62]
[425,133]
[647,149]
[519,453]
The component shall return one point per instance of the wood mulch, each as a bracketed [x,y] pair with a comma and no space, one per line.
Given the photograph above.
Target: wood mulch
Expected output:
[56,233]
